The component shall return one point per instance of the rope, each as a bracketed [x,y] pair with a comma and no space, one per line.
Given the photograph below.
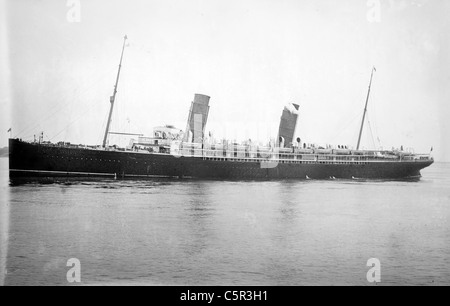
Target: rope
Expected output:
[376,131]
[76,97]
[370,130]
[339,132]
[72,122]
[102,129]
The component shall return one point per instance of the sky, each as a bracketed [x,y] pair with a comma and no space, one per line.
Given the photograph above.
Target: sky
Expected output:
[59,62]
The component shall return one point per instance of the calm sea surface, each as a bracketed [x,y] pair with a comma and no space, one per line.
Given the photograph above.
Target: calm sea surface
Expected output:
[184,232]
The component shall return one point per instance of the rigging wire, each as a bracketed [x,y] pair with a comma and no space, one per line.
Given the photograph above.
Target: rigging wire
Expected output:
[370,131]
[344,128]
[355,135]
[72,122]
[69,119]
[76,97]
[374,120]
[103,127]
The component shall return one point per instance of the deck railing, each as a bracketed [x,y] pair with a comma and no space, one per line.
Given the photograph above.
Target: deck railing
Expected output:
[276,155]
[264,154]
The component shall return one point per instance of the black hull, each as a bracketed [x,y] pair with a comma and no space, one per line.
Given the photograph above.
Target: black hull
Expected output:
[32,160]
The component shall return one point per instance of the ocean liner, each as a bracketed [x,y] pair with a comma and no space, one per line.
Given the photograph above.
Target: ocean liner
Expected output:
[171,152]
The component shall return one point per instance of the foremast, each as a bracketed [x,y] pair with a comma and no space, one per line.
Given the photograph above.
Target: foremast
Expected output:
[113,97]
[365,110]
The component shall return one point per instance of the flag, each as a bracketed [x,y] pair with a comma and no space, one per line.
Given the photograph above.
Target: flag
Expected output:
[9,130]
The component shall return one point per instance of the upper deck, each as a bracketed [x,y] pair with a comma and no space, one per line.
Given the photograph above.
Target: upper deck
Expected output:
[259,154]
[255,153]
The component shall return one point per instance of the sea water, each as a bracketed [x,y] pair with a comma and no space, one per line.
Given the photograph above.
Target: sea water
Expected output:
[194,232]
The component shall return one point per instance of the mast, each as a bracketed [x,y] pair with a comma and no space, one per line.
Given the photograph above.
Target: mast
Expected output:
[113,97]
[365,110]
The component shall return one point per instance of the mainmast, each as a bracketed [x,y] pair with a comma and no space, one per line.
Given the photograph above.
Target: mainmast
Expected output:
[365,109]
[113,97]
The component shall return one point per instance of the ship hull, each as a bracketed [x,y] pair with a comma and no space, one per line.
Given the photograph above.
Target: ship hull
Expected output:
[33,160]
